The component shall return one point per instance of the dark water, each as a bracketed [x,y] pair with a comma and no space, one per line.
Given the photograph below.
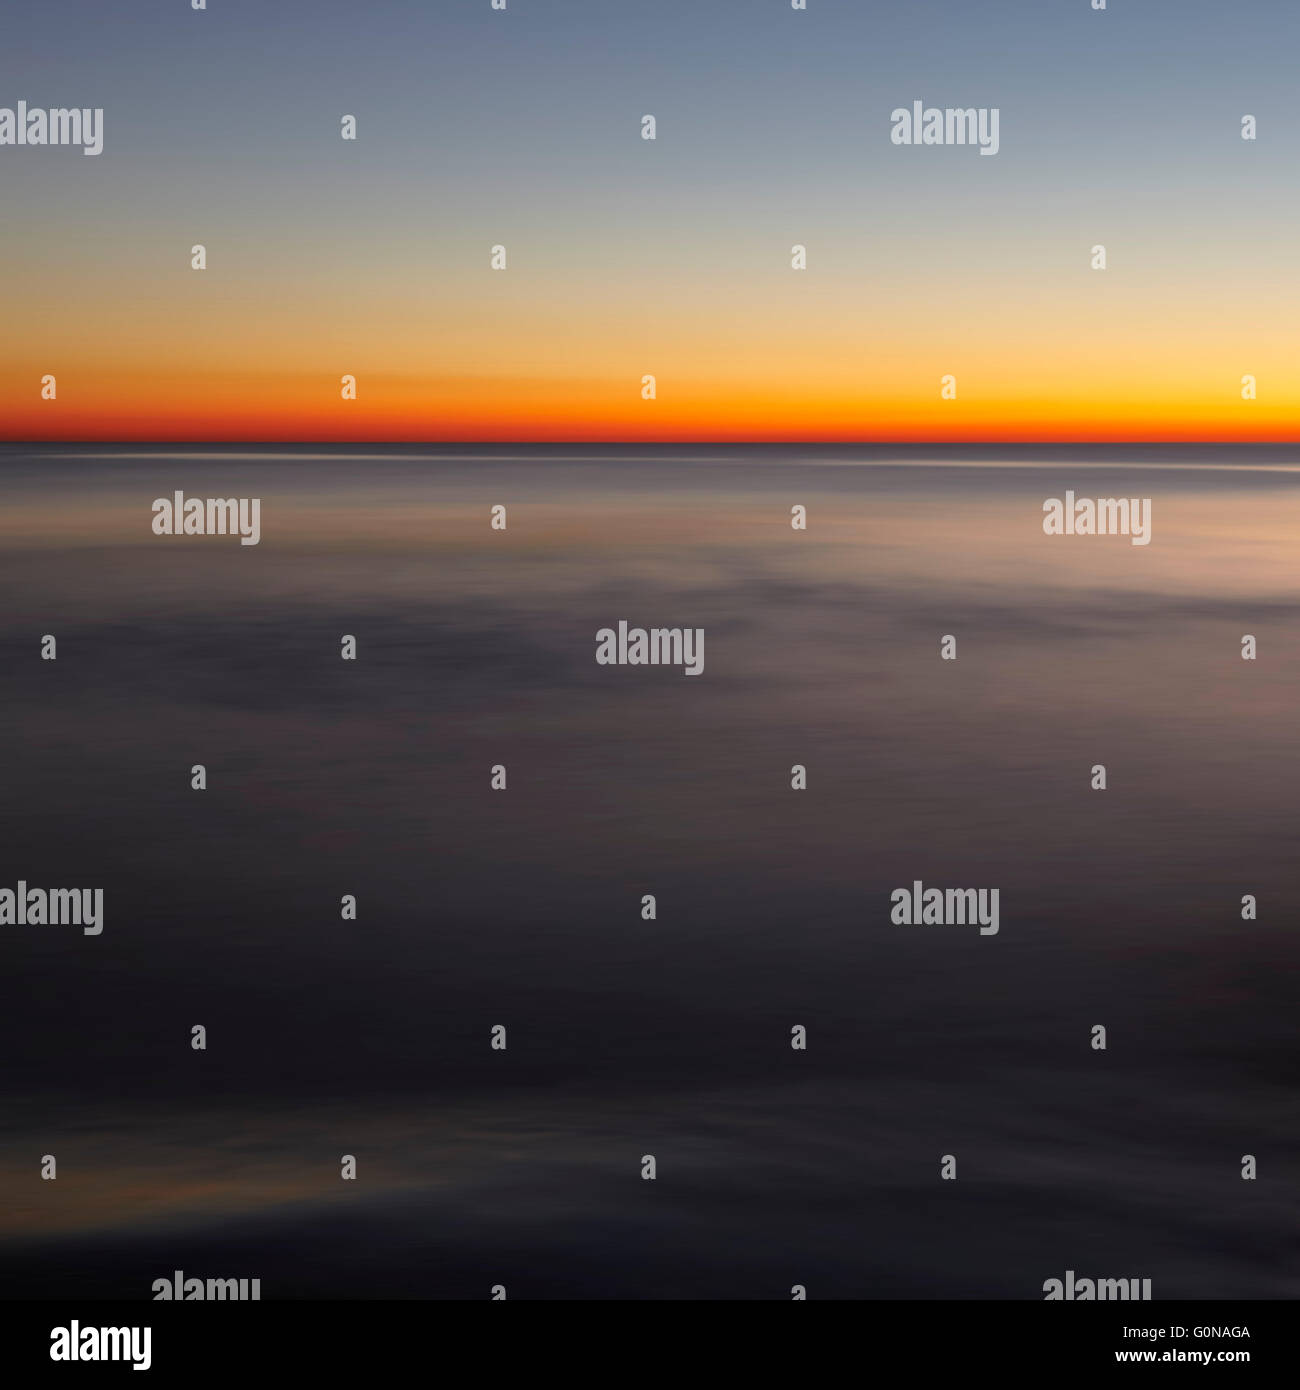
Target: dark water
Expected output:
[672,1037]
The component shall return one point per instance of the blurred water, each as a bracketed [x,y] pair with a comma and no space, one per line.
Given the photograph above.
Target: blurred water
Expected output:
[668,1037]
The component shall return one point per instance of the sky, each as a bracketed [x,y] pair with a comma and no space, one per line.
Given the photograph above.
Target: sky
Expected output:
[669,258]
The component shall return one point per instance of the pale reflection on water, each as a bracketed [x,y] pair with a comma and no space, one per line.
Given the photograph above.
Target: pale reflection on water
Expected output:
[627,1037]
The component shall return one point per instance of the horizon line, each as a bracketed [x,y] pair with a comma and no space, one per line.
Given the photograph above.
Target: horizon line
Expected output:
[588,443]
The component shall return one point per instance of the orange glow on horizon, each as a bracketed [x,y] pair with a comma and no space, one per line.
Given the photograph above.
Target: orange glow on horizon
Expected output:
[301,407]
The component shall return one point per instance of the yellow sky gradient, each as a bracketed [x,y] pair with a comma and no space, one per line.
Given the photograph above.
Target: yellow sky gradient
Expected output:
[1070,356]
